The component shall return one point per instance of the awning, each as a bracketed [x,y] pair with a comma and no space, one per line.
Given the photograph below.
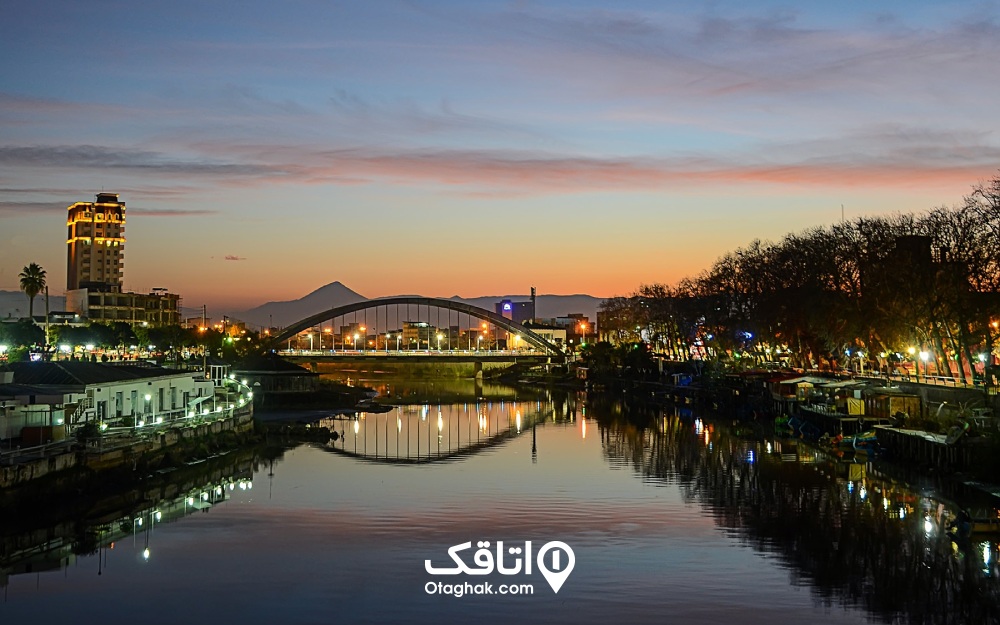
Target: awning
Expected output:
[197,400]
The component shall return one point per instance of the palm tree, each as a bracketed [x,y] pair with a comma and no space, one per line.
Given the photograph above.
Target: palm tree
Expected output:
[32,283]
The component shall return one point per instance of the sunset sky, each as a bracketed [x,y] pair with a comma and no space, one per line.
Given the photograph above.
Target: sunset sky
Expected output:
[474,148]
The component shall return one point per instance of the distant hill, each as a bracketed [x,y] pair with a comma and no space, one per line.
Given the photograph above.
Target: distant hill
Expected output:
[545,305]
[14,304]
[281,314]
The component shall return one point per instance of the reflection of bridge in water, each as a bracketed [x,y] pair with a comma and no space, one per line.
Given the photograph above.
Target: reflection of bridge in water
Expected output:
[428,433]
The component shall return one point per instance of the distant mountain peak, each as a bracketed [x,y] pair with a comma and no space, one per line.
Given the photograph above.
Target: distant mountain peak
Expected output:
[336,294]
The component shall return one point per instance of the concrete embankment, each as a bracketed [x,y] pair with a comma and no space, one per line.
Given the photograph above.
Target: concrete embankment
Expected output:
[129,452]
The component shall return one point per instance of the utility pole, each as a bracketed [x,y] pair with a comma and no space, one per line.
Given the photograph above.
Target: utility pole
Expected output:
[202,331]
[46,348]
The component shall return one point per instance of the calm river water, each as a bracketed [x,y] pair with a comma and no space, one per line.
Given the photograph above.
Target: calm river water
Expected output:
[663,516]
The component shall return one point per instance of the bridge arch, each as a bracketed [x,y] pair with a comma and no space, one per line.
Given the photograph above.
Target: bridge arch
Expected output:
[473,311]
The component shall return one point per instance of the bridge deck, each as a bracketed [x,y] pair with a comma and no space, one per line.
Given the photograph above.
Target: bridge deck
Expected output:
[456,356]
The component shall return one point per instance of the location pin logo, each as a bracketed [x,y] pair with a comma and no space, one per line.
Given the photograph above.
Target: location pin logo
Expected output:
[560,565]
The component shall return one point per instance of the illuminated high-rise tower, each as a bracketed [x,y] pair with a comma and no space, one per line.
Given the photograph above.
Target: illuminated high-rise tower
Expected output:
[96,244]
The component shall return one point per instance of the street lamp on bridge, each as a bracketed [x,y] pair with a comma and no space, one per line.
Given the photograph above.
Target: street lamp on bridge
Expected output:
[354,342]
[439,341]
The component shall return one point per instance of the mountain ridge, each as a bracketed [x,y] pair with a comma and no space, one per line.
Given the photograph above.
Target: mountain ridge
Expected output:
[334,294]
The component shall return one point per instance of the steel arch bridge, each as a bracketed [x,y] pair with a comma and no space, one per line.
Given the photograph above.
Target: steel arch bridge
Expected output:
[501,322]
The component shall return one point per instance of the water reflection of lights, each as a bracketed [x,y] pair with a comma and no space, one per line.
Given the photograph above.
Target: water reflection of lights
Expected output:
[455,433]
[928,525]
[583,427]
[863,493]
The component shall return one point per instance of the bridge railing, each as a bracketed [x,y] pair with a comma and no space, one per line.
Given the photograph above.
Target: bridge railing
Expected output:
[410,352]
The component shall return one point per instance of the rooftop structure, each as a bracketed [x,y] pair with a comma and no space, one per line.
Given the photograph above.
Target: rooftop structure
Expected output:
[95,241]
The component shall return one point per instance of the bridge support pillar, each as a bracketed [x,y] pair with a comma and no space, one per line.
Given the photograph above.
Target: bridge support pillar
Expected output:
[314,367]
[479,370]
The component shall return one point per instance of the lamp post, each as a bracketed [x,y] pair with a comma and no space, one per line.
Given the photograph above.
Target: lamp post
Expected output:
[388,337]
[583,328]
[439,341]
[354,341]
[924,356]
[310,341]
[916,366]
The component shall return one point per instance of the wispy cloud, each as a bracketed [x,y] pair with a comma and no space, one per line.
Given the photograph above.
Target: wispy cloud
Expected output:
[13,209]
[67,192]
[171,212]
[233,257]
[409,117]
[110,158]
[885,154]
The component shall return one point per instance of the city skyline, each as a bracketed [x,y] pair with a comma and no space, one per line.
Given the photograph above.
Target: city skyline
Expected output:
[445,149]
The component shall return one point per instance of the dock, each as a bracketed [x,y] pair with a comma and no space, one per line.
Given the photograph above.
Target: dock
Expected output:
[932,450]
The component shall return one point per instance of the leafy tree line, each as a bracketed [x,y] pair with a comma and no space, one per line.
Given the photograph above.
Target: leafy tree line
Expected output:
[24,335]
[170,341]
[870,293]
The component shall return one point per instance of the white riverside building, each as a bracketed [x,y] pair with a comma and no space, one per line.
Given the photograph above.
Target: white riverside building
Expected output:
[48,401]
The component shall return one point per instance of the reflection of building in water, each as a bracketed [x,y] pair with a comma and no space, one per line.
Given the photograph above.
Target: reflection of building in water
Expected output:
[857,535]
[433,433]
[59,545]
